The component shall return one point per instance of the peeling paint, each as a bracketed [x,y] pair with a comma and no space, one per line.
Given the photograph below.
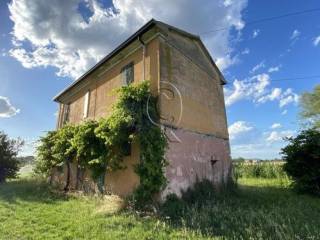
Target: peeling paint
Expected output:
[190,160]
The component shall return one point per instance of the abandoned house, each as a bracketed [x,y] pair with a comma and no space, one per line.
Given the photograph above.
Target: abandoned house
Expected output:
[192,109]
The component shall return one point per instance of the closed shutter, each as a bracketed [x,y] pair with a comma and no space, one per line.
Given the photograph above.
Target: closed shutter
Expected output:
[127,73]
[86,105]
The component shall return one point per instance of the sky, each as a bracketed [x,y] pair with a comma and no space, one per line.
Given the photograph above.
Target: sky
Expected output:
[46,45]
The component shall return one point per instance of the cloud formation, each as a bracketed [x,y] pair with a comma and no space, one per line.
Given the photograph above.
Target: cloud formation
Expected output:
[73,35]
[288,97]
[295,34]
[238,128]
[257,90]
[276,136]
[275,125]
[316,41]
[6,108]
[258,66]
[255,33]
[248,141]
[274,69]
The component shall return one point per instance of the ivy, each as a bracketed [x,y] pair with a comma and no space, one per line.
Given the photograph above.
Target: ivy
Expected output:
[101,145]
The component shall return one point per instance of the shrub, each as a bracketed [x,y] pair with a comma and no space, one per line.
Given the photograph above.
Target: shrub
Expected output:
[302,156]
[9,165]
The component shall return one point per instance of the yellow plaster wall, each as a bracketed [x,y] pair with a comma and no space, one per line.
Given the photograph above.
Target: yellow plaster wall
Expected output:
[102,98]
[201,100]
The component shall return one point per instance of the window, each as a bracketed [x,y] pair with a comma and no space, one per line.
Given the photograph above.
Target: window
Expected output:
[66,111]
[86,105]
[127,73]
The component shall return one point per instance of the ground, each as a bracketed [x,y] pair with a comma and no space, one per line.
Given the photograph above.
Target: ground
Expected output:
[257,209]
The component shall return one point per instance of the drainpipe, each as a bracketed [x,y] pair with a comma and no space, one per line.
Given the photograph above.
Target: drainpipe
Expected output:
[143,57]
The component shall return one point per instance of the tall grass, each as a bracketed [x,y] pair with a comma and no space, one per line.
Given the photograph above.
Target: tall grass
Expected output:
[260,208]
[261,169]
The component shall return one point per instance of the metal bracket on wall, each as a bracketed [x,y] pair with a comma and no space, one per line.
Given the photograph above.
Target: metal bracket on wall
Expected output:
[213,161]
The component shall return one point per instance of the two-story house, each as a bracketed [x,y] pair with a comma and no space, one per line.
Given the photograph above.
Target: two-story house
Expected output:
[192,109]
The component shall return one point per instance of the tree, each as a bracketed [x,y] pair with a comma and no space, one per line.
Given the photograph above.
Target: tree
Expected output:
[310,104]
[302,156]
[9,164]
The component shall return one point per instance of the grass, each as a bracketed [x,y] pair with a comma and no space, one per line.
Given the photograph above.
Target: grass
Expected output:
[29,210]
[257,209]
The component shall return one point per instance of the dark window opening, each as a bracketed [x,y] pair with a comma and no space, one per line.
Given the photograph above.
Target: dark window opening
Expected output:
[127,73]
[127,149]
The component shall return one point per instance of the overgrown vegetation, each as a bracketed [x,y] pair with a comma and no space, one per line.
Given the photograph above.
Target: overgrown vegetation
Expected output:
[260,169]
[101,146]
[302,156]
[258,209]
[310,107]
[9,164]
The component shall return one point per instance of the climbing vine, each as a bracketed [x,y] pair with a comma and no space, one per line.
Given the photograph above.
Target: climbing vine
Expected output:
[101,145]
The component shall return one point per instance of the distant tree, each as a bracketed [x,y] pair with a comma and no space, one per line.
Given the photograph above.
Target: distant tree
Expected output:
[9,164]
[310,104]
[239,159]
[302,156]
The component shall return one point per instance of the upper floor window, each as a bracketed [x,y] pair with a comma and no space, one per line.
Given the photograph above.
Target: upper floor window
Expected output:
[65,115]
[127,73]
[86,105]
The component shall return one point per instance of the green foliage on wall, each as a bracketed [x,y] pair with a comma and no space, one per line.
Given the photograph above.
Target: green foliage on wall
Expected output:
[101,146]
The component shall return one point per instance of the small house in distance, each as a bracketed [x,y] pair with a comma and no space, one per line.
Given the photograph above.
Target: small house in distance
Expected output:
[191,105]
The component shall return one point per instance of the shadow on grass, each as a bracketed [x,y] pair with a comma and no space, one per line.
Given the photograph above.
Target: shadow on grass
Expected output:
[31,190]
[249,212]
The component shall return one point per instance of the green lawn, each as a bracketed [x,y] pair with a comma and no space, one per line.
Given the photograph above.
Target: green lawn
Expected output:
[258,209]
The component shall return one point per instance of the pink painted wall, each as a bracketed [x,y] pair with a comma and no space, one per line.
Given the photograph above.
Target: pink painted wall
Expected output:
[189,156]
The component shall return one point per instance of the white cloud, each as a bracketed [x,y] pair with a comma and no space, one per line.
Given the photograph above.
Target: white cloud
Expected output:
[254,146]
[238,128]
[6,109]
[245,51]
[274,69]
[257,67]
[256,89]
[316,41]
[255,33]
[284,112]
[275,125]
[252,88]
[276,136]
[295,34]
[275,94]
[288,97]
[62,37]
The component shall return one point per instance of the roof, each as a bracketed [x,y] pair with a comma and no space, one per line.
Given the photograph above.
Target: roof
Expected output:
[131,39]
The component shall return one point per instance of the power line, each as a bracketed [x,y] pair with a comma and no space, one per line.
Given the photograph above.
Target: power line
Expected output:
[284,79]
[265,19]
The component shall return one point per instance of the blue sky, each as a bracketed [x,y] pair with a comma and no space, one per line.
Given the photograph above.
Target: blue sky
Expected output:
[45,46]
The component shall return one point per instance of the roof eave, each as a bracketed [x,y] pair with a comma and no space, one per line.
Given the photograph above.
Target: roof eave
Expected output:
[143,29]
